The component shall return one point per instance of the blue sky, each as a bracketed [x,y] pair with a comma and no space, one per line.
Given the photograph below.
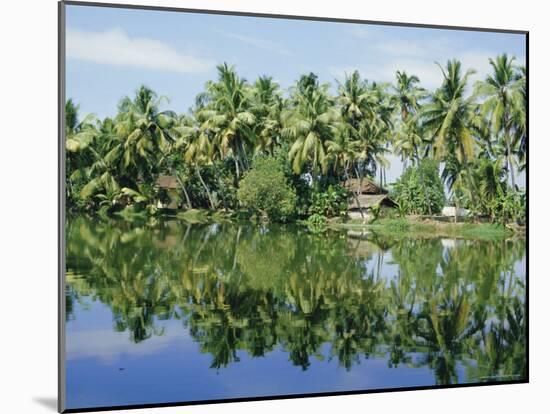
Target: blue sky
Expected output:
[110,52]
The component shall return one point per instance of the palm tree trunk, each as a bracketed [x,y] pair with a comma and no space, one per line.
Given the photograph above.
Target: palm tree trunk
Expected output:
[222,194]
[511,169]
[205,187]
[457,206]
[509,153]
[354,194]
[244,156]
[236,168]
[182,185]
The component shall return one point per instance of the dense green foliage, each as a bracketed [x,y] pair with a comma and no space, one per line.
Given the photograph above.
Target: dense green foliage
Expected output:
[264,189]
[419,190]
[319,138]
[332,202]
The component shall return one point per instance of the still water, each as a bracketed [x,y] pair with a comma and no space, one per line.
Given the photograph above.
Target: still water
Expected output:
[166,311]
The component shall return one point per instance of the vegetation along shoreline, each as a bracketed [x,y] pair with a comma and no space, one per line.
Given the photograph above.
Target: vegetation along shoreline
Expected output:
[314,154]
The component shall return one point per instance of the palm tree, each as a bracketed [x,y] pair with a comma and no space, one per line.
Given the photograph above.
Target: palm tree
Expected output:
[267,105]
[146,133]
[448,118]
[520,120]
[407,94]
[344,150]
[105,171]
[79,136]
[407,141]
[227,115]
[198,150]
[130,149]
[353,99]
[406,99]
[504,103]
[310,123]
[490,176]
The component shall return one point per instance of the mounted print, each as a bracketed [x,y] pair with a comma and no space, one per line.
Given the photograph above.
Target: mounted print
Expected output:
[264,206]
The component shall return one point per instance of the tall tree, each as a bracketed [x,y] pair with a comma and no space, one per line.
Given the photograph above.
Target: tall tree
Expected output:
[503,103]
[448,119]
[310,123]
[227,115]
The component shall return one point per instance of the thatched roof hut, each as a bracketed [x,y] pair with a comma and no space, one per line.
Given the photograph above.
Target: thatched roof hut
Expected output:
[364,186]
[367,201]
[168,182]
[368,195]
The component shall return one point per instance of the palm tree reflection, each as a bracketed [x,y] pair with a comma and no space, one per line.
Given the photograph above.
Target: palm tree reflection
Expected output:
[410,301]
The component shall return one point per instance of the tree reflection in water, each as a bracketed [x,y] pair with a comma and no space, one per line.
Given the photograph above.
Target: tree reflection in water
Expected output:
[244,287]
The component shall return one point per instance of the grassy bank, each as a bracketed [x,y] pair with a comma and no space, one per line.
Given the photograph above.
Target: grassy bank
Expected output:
[397,227]
[429,228]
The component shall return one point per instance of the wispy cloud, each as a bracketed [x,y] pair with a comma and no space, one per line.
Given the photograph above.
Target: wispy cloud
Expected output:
[383,56]
[116,47]
[258,42]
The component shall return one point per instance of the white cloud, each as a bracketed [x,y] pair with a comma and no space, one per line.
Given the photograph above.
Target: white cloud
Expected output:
[108,346]
[383,68]
[115,47]
[260,43]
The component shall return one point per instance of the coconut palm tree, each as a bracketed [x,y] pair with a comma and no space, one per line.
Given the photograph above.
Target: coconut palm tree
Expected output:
[310,123]
[267,105]
[448,118]
[227,115]
[344,151]
[145,131]
[406,94]
[78,134]
[406,98]
[407,141]
[520,120]
[492,184]
[197,146]
[353,99]
[503,105]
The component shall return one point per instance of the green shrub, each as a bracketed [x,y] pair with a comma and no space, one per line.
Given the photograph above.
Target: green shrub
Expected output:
[509,206]
[419,190]
[317,223]
[375,211]
[333,202]
[264,189]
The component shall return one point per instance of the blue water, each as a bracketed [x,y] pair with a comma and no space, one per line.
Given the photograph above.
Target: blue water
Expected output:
[178,313]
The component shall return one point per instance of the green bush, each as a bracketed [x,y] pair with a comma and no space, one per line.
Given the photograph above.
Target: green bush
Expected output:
[317,223]
[419,190]
[510,206]
[264,189]
[332,202]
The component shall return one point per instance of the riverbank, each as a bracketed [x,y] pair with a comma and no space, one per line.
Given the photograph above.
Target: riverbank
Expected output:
[410,226]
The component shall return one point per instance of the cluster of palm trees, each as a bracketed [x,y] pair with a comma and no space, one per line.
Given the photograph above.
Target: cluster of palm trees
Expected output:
[477,132]
[279,289]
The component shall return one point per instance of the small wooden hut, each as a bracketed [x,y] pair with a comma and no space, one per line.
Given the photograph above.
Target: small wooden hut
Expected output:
[169,184]
[366,195]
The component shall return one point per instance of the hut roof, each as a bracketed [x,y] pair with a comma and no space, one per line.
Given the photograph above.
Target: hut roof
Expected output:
[366,186]
[167,181]
[370,200]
